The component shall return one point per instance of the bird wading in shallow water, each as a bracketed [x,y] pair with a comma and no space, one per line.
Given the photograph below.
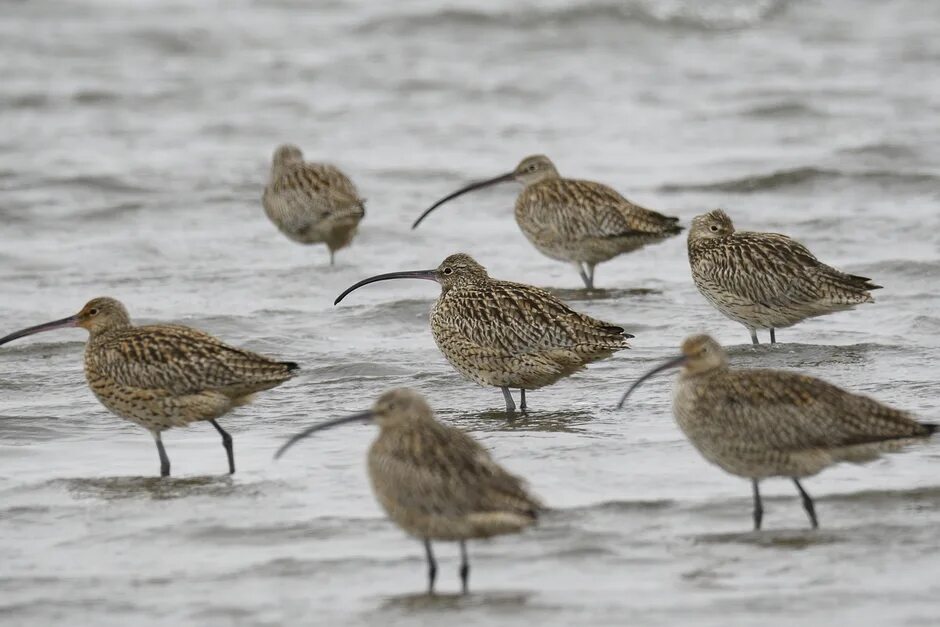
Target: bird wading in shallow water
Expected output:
[508,335]
[766,280]
[759,424]
[312,203]
[579,222]
[162,376]
[434,481]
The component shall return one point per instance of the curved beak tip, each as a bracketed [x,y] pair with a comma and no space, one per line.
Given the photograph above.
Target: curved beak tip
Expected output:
[672,363]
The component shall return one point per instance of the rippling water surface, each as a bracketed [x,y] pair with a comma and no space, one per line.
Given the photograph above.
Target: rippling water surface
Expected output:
[135,146]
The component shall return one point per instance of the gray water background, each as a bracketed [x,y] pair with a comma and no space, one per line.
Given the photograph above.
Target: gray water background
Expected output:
[136,139]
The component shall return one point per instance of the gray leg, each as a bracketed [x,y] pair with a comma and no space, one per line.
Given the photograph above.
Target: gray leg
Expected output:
[464,567]
[584,276]
[510,404]
[590,274]
[754,337]
[227,443]
[164,460]
[332,257]
[773,337]
[522,405]
[758,506]
[432,566]
[807,504]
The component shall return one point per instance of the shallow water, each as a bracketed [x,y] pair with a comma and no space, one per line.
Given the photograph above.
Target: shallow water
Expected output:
[136,143]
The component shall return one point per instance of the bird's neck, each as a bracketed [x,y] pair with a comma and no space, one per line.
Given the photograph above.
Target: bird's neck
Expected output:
[700,372]
[282,169]
[102,334]
[544,177]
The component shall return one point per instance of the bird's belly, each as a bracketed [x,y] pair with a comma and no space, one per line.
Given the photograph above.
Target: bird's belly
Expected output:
[426,523]
[745,310]
[742,455]
[341,233]
[156,409]
[557,242]
[496,367]
[298,224]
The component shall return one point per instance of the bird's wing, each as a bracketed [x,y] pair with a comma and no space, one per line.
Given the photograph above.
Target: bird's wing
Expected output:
[576,209]
[518,318]
[766,268]
[448,473]
[336,179]
[307,194]
[181,360]
[793,412]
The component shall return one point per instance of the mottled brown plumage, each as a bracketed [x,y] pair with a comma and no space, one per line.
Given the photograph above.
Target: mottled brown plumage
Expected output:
[163,376]
[766,280]
[576,221]
[508,335]
[435,481]
[312,203]
[759,424]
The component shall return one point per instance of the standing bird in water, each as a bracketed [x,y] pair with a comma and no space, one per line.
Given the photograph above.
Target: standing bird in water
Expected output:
[162,376]
[579,222]
[312,203]
[766,280]
[435,481]
[759,424]
[507,335]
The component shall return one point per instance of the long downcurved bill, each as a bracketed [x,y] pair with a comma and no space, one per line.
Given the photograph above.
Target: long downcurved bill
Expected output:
[71,321]
[429,275]
[672,363]
[363,416]
[502,178]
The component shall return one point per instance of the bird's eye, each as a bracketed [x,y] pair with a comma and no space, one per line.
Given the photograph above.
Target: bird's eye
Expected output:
[448,270]
[714,228]
[533,167]
[93,312]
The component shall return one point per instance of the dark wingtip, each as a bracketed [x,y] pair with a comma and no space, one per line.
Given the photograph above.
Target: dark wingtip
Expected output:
[865,282]
[929,427]
[290,365]
[629,336]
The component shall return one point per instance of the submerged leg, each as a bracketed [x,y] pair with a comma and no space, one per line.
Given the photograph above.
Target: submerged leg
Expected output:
[227,443]
[464,567]
[773,337]
[432,566]
[522,405]
[807,504]
[754,336]
[164,460]
[510,404]
[758,506]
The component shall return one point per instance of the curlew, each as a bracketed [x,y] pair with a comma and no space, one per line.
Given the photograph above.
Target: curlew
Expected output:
[312,203]
[434,481]
[579,222]
[766,280]
[162,376]
[508,335]
[759,424]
